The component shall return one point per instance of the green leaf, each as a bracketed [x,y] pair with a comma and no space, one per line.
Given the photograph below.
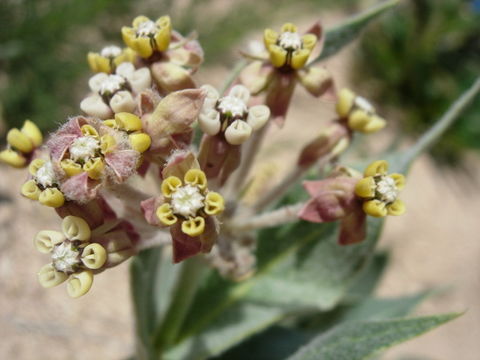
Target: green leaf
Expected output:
[237,323]
[279,342]
[152,276]
[345,33]
[360,340]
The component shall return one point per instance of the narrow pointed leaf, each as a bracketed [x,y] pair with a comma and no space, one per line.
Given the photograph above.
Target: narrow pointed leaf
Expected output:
[361,340]
[343,34]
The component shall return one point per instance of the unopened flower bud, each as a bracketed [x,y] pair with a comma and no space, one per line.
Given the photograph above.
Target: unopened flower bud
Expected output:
[32,132]
[19,141]
[12,158]
[128,121]
[140,142]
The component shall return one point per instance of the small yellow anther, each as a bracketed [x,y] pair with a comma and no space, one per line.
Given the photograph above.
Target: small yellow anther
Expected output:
[12,158]
[196,177]
[194,226]
[19,141]
[51,197]
[169,185]
[214,203]
[30,190]
[79,283]
[140,142]
[94,256]
[128,122]
[165,215]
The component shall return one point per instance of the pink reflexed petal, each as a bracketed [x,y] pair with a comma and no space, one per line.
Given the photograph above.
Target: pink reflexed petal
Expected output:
[123,163]
[59,144]
[143,169]
[326,207]
[353,227]
[317,30]
[210,235]
[184,246]
[80,188]
[213,153]
[149,207]
[279,95]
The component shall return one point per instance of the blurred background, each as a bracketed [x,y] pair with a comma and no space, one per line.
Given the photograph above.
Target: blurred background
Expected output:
[412,64]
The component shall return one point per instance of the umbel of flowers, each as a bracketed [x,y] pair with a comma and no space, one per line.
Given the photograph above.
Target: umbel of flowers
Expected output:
[140,119]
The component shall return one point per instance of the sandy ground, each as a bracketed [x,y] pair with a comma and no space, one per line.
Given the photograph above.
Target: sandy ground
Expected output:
[435,244]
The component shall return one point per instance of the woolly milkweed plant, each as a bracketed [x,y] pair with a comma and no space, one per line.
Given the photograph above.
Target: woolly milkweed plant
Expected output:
[225,262]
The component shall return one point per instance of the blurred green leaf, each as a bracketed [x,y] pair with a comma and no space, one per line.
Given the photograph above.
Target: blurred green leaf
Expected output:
[360,340]
[343,34]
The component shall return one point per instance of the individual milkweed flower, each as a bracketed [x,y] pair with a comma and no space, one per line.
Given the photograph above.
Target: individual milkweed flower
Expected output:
[90,153]
[113,93]
[359,114]
[355,115]
[186,206]
[109,58]
[78,253]
[44,185]
[21,144]
[379,190]
[333,199]
[147,36]
[277,70]
[230,114]
[172,58]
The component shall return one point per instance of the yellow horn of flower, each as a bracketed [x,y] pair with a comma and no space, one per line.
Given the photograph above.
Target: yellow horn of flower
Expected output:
[45,240]
[214,203]
[165,215]
[30,190]
[51,197]
[70,167]
[94,256]
[19,141]
[12,158]
[94,168]
[79,284]
[32,132]
[169,185]
[49,277]
[75,228]
[194,227]
[196,177]
[128,122]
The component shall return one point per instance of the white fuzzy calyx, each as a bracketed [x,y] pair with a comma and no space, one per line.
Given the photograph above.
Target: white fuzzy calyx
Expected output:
[387,189]
[84,148]
[147,28]
[364,104]
[65,257]
[232,106]
[112,84]
[187,200]
[111,51]
[45,175]
[290,40]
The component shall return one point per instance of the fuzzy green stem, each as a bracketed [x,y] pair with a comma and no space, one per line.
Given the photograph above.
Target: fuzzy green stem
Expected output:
[182,298]
[233,75]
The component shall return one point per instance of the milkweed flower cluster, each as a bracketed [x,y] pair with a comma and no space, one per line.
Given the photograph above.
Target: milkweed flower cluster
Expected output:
[142,116]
